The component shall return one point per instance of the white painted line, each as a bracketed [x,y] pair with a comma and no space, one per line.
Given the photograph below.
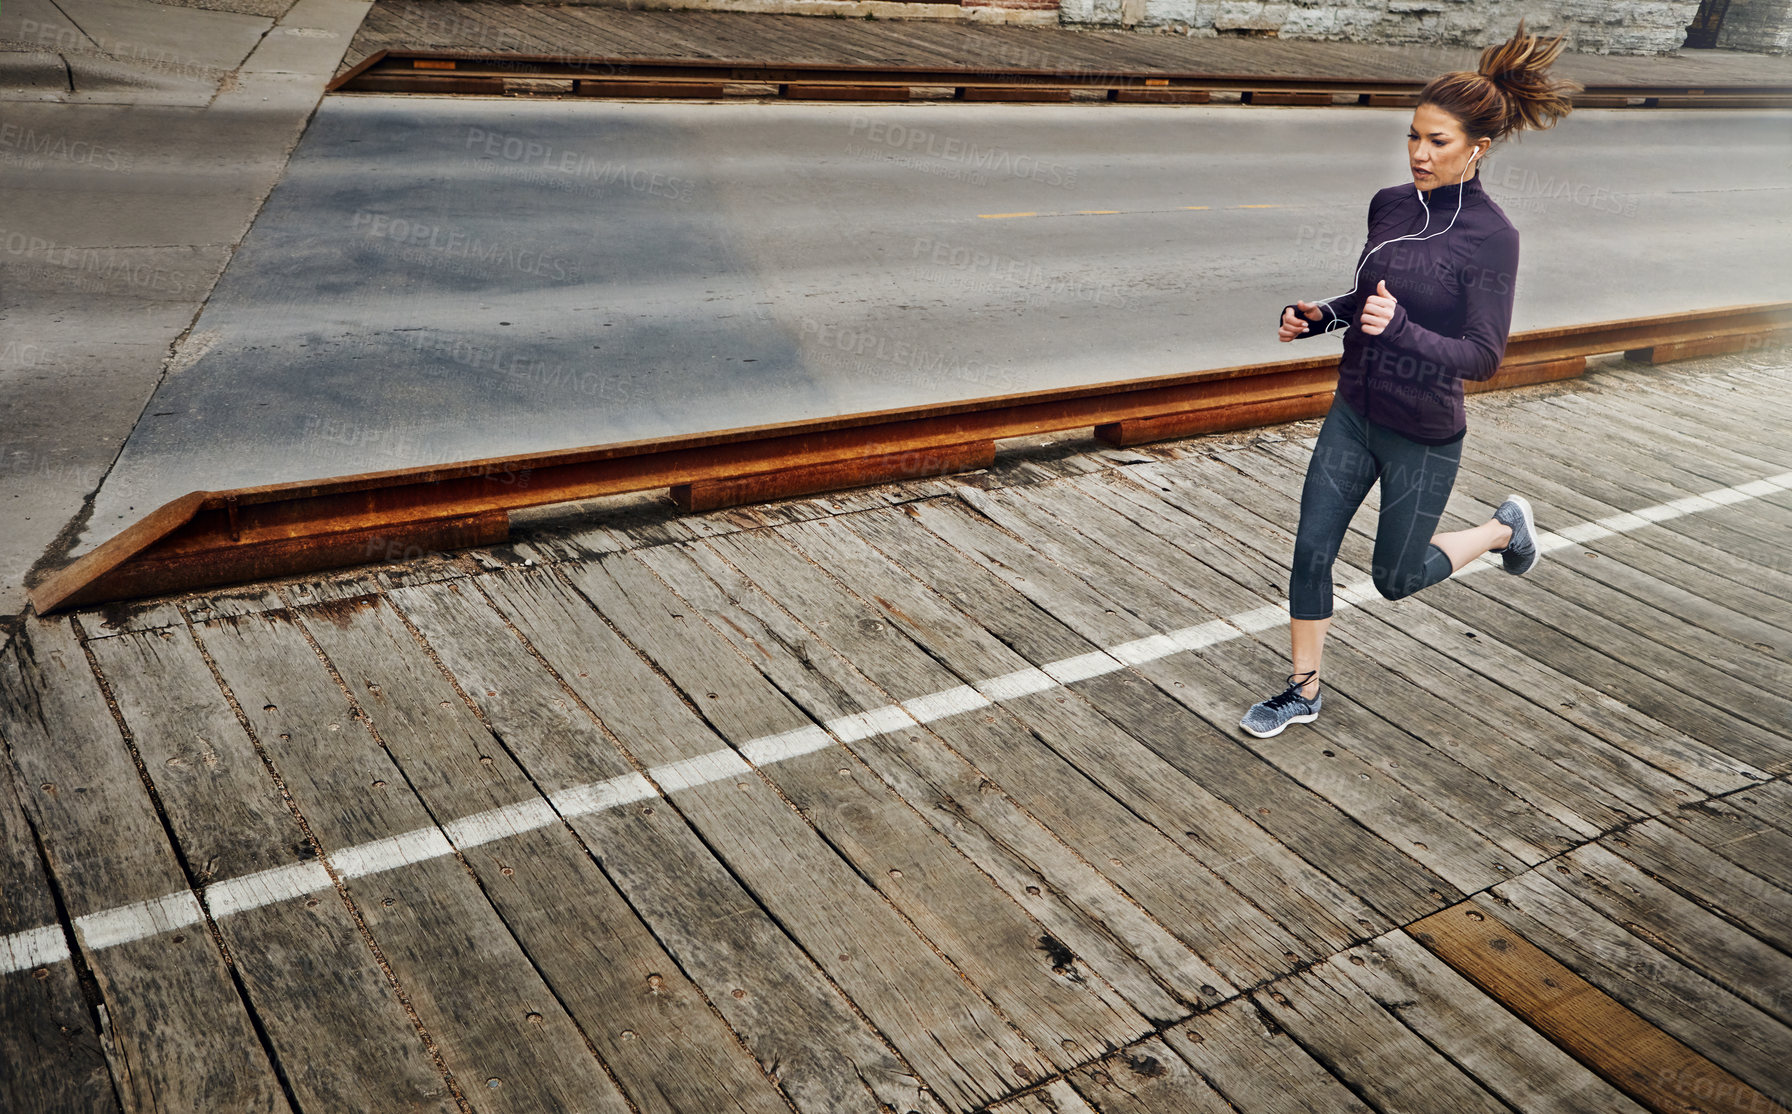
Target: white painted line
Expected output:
[863,725]
[1013,686]
[790,744]
[1621,523]
[35,947]
[583,800]
[1261,618]
[942,705]
[717,765]
[139,920]
[1584,532]
[1141,650]
[266,887]
[416,846]
[1206,634]
[500,823]
[1082,667]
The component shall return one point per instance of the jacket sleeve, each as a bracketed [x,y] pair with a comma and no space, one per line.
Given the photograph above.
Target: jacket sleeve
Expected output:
[1327,315]
[1489,283]
[1340,311]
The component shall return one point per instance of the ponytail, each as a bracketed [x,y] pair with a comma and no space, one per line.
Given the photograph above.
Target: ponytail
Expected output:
[1511,89]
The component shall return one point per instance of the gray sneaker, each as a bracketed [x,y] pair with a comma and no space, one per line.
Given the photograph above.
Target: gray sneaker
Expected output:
[1521,552]
[1268,717]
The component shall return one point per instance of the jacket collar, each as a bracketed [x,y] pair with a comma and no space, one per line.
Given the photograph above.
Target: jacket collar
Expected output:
[1446,195]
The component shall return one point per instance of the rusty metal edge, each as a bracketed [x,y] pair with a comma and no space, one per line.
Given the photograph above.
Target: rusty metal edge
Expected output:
[909,74]
[356,70]
[353,501]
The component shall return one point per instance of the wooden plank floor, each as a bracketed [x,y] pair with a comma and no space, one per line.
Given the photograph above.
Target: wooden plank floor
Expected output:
[591,30]
[930,797]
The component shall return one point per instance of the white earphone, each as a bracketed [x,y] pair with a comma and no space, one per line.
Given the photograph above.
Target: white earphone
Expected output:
[1411,236]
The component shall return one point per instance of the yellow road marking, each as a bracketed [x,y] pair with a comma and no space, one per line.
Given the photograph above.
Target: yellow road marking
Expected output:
[1110,212]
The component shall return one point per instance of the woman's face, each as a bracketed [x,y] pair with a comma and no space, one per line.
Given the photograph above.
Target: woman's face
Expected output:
[1437,149]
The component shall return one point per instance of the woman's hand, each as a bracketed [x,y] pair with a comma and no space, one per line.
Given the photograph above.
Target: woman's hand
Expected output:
[1378,310]
[1292,325]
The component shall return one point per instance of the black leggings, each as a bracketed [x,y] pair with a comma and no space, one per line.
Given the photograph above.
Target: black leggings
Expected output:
[1416,479]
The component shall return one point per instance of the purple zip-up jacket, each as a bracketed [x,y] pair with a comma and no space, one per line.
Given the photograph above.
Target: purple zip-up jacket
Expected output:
[1453,309]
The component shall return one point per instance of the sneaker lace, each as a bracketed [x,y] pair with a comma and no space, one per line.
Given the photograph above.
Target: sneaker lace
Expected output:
[1291,693]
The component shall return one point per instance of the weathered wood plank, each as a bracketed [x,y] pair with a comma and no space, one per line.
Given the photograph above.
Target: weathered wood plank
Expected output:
[1708,878]
[1770,800]
[1449,1013]
[1049,994]
[179,1033]
[653,1031]
[1741,718]
[1368,1048]
[1606,462]
[1555,500]
[955,1039]
[1306,900]
[129,615]
[1651,609]
[1056,1097]
[49,1042]
[1638,1058]
[1108,828]
[339,1033]
[485,1008]
[1627,489]
[1739,836]
[1679,1001]
[925,765]
[826,1057]
[1146,1078]
[1754,971]
[1696,597]
[1256,1066]
[1684,406]
[1692,403]
[1719,611]
[1721,462]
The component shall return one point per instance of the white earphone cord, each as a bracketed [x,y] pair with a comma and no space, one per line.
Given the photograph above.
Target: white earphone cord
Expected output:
[1411,236]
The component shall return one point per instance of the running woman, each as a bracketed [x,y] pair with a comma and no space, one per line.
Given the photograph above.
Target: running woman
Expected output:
[1431,307]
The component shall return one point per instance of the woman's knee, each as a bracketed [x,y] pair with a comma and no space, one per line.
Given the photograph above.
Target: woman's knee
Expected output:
[1396,583]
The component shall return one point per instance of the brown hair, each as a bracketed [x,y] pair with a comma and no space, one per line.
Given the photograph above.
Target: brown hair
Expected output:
[1511,90]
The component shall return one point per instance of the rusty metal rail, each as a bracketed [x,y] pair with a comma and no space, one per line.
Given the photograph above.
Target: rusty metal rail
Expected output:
[408,71]
[208,538]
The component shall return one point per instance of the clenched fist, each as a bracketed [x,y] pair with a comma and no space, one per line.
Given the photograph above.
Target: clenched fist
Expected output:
[1292,325]
[1378,309]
